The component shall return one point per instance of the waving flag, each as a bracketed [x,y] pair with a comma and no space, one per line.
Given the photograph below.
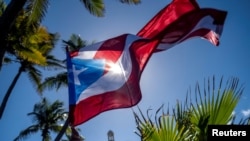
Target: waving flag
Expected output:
[103,76]
[181,20]
[106,75]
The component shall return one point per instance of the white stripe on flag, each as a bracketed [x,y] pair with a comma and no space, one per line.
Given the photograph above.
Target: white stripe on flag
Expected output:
[113,79]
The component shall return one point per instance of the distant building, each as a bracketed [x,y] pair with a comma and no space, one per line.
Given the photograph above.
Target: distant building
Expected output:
[111,135]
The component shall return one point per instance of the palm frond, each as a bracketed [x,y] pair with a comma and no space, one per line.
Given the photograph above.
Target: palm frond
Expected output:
[242,121]
[32,55]
[41,36]
[36,9]
[36,117]
[31,45]
[8,60]
[75,42]
[54,82]
[163,128]
[27,132]
[54,63]
[130,1]
[34,75]
[95,7]
[182,115]
[170,130]
[144,125]
[220,103]
[215,105]
[56,128]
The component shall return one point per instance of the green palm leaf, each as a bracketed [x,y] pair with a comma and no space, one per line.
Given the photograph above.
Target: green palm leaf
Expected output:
[95,7]
[169,130]
[130,1]
[34,75]
[36,9]
[215,106]
[31,55]
[54,82]
[27,132]
[218,104]
[75,42]
[53,63]
[164,128]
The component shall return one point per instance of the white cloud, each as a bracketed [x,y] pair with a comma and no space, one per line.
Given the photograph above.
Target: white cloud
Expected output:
[246,113]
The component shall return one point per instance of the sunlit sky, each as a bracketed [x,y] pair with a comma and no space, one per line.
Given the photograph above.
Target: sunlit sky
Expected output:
[166,78]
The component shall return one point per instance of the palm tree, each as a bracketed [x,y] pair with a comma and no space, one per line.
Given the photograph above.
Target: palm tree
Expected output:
[47,118]
[190,120]
[31,47]
[39,9]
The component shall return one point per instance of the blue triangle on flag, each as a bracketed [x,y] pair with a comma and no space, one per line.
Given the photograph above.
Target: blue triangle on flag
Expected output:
[86,72]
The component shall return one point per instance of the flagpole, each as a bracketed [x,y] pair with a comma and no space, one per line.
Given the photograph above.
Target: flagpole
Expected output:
[66,124]
[64,128]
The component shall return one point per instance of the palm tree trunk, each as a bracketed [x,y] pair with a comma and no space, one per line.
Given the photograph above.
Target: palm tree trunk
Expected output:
[6,22]
[45,133]
[12,85]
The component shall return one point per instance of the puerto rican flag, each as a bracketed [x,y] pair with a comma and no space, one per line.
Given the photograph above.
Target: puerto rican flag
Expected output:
[106,75]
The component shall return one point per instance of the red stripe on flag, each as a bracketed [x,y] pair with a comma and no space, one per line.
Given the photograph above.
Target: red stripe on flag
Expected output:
[157,24]
[183,26]
[111,54]
[166,17]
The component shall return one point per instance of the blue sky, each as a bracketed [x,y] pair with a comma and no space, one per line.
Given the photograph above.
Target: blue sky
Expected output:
[166,77]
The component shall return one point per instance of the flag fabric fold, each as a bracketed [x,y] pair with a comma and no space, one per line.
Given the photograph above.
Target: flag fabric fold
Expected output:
[181,20]
[102,77]
[106,75]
